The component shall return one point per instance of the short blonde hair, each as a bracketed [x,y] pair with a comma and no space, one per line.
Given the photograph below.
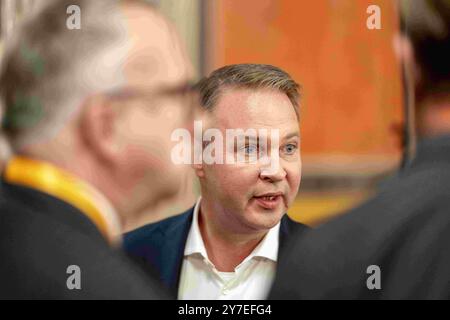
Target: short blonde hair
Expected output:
[253,76]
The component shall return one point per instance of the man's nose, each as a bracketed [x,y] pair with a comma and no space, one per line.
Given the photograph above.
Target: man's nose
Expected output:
[273,172]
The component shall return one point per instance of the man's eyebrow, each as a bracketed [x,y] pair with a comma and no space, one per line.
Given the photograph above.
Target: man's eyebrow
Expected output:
[292,135]
[258,137]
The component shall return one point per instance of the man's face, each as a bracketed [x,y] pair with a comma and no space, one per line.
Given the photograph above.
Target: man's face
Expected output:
[248,196]
[157,73]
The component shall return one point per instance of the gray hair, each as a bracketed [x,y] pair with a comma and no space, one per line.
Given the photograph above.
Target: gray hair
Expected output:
[49,70]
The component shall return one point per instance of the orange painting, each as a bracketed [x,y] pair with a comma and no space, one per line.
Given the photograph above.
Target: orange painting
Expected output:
[352,91]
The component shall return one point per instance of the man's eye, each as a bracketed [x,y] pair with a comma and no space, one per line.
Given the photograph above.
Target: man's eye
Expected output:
[290,148]
[250,149]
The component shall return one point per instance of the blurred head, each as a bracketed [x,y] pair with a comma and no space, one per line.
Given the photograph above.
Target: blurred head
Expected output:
[424,48]
[246,197]
[102,100]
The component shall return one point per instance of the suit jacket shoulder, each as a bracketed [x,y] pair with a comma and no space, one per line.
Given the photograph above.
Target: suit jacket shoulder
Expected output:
[160,246]
[151,233]
[404,230]
[41,237]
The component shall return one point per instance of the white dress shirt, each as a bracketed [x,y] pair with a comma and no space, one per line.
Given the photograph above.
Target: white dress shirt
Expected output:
[251,280]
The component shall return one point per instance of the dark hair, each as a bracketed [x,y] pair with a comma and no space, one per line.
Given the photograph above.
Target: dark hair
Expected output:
[427,25]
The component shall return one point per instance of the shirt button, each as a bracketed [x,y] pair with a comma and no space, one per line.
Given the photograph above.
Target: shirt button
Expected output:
[225,291]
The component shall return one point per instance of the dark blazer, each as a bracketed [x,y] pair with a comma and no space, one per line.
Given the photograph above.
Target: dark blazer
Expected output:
[41,236]
[404,230]
[161,245]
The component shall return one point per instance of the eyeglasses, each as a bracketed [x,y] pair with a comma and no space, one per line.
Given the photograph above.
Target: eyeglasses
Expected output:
[187,93]
[127,93]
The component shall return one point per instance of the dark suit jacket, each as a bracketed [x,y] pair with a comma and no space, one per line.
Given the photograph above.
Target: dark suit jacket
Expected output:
[405,230]
[41,236]
[161,245]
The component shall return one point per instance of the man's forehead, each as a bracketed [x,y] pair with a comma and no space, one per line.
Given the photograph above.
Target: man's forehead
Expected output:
[254,134]
[156,53]
[246,126]
[253,108]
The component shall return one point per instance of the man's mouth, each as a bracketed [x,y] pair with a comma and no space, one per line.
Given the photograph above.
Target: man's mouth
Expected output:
[269,200]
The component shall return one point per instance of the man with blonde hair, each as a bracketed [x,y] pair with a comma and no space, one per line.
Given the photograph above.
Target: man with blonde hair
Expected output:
[227,245]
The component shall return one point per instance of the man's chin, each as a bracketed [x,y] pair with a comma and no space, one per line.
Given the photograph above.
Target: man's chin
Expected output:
[263,219]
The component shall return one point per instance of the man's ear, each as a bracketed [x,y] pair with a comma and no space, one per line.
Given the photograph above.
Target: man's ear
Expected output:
[197,157]
[199,171]
[403,47]
[98,129]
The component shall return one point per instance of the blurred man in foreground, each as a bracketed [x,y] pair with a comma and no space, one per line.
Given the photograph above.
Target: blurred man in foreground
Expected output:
[226,246]
[396,246]
[82,113]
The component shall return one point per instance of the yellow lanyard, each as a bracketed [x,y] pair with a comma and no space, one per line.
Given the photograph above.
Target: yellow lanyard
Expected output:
[59,184]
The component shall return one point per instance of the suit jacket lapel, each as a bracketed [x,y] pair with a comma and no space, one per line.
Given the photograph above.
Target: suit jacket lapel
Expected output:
[287,228]
[284,231]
